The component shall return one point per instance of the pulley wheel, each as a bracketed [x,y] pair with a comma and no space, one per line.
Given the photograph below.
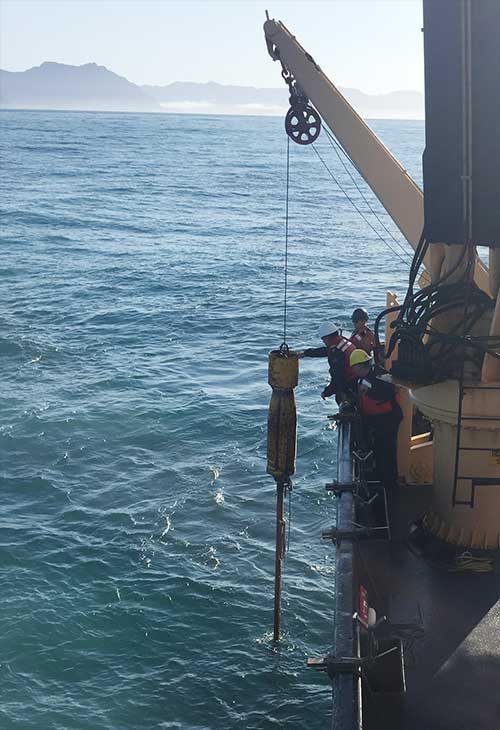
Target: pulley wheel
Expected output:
[303,124]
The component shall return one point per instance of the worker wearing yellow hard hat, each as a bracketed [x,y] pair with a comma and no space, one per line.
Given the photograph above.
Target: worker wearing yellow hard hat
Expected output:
[359,357]
[380,411]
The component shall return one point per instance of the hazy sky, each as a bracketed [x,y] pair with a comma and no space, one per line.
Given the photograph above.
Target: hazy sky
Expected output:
[372,45]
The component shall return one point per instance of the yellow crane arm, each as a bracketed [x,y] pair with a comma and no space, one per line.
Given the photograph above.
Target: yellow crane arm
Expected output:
[393,186]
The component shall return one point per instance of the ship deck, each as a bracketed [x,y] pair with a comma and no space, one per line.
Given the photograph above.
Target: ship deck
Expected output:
[453,668]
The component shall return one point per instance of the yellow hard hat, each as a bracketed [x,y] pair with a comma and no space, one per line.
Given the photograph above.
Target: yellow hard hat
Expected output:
[359,357]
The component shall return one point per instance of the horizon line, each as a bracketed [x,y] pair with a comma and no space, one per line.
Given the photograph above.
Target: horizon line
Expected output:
[187,114]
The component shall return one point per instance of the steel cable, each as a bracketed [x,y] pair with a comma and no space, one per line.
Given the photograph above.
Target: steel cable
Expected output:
[356,207]
[336,147]
[284,345]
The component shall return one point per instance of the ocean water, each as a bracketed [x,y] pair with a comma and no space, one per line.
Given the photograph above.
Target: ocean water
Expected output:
[141,289]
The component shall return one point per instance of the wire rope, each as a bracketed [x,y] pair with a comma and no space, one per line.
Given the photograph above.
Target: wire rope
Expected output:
[336,147]
[356,207]
[285,346]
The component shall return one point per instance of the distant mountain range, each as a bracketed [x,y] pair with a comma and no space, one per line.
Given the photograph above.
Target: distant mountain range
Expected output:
[217,98]
[94,88]
[59,86]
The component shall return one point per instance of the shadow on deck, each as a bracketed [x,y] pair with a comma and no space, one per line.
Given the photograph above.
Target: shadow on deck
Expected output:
[453,669]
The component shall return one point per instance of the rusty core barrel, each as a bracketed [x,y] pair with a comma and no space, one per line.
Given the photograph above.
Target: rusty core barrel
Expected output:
[282,420]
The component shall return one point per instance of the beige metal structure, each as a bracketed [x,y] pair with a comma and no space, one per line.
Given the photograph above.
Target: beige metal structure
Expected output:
[393,186]
[475,523]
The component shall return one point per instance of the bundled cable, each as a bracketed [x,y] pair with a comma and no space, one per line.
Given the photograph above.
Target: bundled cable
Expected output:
[425,354]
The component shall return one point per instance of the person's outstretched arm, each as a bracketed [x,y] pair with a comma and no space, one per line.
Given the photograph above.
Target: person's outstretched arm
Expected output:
[314,352]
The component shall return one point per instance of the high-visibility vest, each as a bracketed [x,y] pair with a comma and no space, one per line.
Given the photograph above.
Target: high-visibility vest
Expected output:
[346,347]
[364,341]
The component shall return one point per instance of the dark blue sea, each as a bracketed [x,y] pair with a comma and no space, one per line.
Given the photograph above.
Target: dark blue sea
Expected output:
[141,290]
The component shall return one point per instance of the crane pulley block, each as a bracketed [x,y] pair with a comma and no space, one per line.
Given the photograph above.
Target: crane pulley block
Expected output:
[302,123]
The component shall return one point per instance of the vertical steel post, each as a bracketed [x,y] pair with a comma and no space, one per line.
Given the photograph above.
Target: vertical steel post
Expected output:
[343,685]
[344,457]
[280,550]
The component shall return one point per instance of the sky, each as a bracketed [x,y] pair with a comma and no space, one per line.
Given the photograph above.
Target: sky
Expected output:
[372,45]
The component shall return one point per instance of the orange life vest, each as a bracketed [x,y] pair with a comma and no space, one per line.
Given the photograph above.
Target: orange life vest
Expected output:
[364,340]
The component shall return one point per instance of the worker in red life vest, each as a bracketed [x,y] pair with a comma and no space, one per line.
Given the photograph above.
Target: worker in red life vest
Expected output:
[362,336]
[338,350]
[381,414]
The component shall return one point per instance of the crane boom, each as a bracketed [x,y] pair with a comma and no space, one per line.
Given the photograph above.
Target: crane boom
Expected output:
[390,182]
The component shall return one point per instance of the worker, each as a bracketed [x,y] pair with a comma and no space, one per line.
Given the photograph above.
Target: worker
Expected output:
[362,336]
[380,412]
[337,349]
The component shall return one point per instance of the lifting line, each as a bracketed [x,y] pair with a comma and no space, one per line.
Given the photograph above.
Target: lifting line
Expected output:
[282,427]
[284,346]
[336,147]
[357,208]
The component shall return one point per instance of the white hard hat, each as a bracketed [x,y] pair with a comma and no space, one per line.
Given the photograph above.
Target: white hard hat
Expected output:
[327,328]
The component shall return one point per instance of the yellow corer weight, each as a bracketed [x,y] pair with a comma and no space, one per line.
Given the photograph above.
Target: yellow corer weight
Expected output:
[282,420]
[281,451]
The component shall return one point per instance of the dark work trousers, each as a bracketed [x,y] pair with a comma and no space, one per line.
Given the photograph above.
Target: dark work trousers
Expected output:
[383,432]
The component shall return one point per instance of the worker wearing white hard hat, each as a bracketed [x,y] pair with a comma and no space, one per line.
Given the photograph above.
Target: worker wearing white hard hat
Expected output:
[327,328]
[337,349]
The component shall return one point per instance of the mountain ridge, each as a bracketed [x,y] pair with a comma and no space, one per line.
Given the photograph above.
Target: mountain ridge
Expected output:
[170,96]
[61,86]
[92,87]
